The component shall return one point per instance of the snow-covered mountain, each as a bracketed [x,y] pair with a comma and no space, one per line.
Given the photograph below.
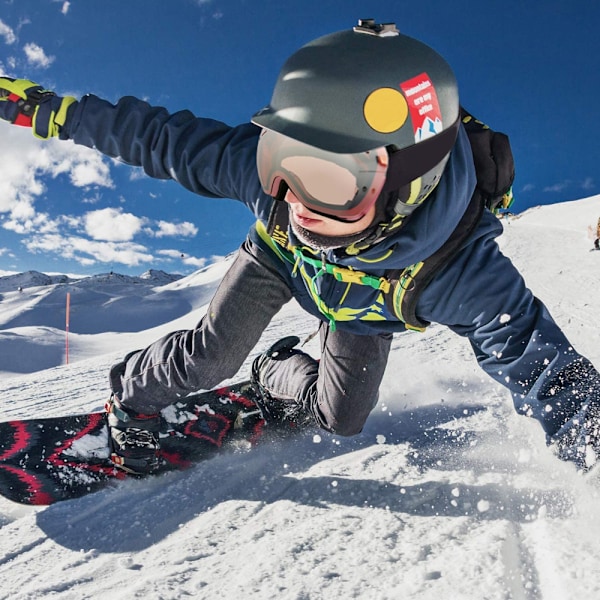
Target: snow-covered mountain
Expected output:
[20,281]
[447,493]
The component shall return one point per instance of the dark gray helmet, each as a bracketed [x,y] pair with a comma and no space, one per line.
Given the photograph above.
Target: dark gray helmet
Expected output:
[364,88]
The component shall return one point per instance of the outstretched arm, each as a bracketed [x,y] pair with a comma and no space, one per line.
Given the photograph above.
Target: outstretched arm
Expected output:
[206,156]
[517,342]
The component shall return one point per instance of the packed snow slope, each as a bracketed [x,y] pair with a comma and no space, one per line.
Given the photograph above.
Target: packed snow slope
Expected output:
[446,494]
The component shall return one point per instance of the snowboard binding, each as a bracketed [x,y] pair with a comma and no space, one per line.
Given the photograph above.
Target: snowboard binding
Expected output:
[133,439]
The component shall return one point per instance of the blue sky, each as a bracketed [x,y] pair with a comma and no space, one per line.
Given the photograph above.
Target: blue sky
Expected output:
[529,69]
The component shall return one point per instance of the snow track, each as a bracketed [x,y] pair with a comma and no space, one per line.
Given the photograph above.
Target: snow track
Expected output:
[447,493]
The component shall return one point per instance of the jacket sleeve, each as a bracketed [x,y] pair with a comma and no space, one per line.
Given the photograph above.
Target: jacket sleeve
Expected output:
[206,156]
[516,341]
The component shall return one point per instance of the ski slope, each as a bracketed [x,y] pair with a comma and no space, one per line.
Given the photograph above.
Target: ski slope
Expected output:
[446,494]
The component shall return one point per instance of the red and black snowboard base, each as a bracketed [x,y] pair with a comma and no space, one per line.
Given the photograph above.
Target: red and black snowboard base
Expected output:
[43,461]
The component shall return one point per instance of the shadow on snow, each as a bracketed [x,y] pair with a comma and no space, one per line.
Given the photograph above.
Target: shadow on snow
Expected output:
[137,514]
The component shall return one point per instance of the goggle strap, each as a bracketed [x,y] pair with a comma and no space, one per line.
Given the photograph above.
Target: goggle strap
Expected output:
[278,219]
[411,163]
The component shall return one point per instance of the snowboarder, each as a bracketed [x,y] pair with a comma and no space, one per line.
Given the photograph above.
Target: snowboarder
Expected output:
[359,167]
[594,234]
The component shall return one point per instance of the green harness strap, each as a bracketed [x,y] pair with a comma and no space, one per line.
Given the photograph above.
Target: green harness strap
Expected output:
[401,288]
[344,274]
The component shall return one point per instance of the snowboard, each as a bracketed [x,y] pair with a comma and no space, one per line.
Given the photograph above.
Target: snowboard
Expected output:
[47,460]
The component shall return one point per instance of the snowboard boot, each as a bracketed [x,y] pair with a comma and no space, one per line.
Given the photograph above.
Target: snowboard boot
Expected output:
[133,439]
[276,409]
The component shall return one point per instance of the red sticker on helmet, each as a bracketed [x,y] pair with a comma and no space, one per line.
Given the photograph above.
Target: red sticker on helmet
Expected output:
[423,106]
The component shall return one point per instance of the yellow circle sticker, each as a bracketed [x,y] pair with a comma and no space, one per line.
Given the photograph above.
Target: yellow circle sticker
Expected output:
[385,110]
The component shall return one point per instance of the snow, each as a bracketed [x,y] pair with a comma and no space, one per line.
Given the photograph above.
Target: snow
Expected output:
[447,493]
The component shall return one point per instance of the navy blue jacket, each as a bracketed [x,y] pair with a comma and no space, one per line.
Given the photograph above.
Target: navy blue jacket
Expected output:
[480,295]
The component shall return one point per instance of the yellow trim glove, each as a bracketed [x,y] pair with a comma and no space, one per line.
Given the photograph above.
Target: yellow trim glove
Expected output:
[26,103]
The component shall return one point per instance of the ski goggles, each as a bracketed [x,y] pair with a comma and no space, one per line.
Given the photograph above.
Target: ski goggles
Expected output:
[339,186]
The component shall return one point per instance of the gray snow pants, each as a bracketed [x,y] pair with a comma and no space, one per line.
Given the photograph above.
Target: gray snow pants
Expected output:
[340,390]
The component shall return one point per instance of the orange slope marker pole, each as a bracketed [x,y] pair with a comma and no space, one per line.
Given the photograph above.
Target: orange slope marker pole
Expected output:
[67,326]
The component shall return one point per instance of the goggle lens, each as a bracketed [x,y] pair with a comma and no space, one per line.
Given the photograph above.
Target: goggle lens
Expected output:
[340,185]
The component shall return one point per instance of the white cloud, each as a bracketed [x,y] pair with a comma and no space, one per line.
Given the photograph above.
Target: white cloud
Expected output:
[185,229]
[112,225]
[89,252]
[11,65]
[137,174]
[558,187]
[588,183]
[216,12]
[36,56]
[84,167]
[171,253]
[192,261]
[65,5]
[185,259]
[99,236]
[85,173]
[109,252]
[27,162]
[7,33]
[71,221]
[92,199]
[29,222]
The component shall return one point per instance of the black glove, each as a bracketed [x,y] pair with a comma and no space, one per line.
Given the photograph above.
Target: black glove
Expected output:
[578,440]
[26,103]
